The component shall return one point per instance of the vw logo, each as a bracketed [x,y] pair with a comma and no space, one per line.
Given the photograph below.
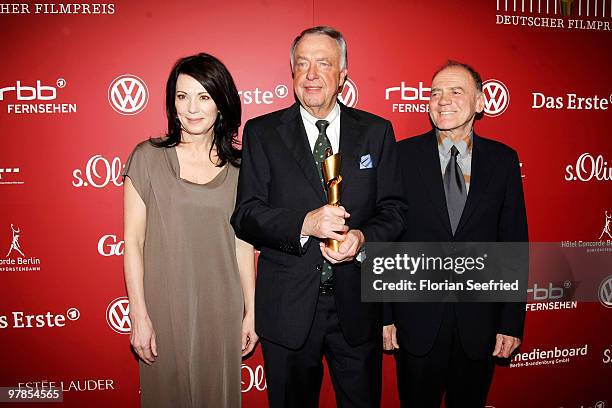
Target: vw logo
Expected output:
[128,94]
[605,292]
[497,97]
[349,94]
[117,315]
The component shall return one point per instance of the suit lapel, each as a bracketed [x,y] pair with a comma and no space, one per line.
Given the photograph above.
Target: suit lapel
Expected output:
[294,136]
[482,170]
[429,167]
[351,139]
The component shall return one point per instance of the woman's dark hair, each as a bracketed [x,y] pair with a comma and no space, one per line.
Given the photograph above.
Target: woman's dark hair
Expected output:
[216,79]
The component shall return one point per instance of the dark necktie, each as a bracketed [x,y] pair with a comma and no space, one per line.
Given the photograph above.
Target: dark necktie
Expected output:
[320,146]
[454,188]
[318,152]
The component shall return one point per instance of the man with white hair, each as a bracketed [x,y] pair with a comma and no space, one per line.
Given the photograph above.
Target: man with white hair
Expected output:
[308,296]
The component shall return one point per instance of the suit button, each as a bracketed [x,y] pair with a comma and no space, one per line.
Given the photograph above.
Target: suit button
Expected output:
[319,268]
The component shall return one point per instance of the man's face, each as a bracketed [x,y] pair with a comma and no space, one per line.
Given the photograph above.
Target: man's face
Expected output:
[317,77]
[454,101]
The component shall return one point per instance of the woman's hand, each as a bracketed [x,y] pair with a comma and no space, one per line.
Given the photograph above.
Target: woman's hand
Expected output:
[142,339]
[249,337]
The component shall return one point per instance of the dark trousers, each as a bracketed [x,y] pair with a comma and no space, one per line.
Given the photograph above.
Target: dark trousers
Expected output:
[294,376]
[445,371]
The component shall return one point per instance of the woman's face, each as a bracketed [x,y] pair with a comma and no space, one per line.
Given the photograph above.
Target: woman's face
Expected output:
[195,108]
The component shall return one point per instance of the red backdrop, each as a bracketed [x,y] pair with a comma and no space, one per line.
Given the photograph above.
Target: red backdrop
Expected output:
[60,166]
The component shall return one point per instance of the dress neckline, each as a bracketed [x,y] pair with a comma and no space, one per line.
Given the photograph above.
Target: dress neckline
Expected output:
[175,167]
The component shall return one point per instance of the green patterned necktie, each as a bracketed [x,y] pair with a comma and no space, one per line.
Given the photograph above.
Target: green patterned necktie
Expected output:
[321,145]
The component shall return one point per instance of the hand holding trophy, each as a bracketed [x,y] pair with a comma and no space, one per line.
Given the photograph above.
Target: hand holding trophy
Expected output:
[333,185]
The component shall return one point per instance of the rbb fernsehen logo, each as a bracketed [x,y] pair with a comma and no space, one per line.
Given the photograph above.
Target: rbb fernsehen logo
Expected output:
[497,97]
[117,315]
[128,94]
[349,94]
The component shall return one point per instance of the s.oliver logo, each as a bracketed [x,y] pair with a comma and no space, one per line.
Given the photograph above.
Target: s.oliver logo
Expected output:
[589,168]
[99,172]
[606,357]
[253,378]
[109,245]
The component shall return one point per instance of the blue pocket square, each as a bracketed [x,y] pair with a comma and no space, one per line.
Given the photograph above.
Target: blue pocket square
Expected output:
[365,162]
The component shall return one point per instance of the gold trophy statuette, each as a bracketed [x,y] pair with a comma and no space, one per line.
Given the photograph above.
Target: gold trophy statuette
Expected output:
[333,185]
[566,7]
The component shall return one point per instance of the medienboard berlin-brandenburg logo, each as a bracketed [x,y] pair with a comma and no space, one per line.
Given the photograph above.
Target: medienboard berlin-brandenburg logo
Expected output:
[128,94]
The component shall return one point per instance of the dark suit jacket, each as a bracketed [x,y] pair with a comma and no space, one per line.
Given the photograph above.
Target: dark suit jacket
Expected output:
[279,185]
[494,211]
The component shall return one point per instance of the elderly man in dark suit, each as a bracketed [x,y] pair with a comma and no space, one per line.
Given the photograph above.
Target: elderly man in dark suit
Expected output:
[307,295]
[459,187]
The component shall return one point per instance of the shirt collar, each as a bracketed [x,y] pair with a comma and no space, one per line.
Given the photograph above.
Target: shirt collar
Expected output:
[331,116]
[464,145]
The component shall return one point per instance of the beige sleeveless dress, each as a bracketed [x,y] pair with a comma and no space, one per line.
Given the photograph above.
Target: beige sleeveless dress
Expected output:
[191,283]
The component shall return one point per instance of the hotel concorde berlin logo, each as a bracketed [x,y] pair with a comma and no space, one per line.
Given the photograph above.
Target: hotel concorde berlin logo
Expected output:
[605,288]
[15,259]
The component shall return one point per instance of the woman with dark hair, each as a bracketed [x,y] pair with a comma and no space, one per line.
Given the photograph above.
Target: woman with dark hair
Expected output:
[190,281]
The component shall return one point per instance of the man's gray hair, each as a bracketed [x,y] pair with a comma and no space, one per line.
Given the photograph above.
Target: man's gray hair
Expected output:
[323,30]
